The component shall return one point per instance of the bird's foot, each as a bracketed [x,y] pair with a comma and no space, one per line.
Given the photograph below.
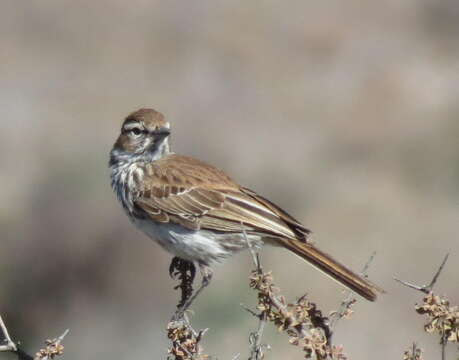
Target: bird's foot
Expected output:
[206,273]
[180,266]
[184,305]
[185,272]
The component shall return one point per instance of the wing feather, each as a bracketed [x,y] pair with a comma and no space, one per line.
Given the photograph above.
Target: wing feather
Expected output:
[196,195]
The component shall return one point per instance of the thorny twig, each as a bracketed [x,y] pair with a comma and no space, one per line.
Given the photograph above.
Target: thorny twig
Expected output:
[414,353]
[255,337]
[302,321]
[426,289]
[345,309]
[443,318]
[256,346]
[53,347]
[185,340]
[10,345]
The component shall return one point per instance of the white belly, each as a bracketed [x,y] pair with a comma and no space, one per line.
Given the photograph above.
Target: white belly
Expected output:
[201,245]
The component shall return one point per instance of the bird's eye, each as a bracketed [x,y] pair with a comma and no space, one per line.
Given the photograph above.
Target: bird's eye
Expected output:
[136,131]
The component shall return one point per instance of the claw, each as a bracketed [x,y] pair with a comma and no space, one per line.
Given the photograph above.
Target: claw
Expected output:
[206,273]
[173,267]
[187,291]
[185,272]
[181,267]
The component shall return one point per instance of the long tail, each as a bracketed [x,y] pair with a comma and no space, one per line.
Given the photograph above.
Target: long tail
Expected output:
[334,269]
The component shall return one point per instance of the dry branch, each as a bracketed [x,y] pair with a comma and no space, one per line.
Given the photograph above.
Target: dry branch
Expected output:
[184,338]
[442,318]
[301,320]
[345,309]
[426,289]
[52,349]
[413,353]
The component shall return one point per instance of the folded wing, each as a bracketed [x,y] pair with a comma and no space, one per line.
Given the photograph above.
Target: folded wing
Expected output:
[196,195]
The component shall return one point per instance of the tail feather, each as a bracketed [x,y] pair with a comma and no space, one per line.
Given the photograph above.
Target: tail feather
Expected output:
[334,269]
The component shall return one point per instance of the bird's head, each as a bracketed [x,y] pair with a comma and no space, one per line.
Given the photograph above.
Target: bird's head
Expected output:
[144,134]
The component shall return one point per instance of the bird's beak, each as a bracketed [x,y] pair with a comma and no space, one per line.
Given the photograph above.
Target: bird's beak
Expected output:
[161,133]
[159,137]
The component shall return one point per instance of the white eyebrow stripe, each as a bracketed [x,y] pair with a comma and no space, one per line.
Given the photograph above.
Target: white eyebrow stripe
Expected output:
[132,125]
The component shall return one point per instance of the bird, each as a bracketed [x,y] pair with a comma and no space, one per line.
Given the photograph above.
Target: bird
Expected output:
[197,212]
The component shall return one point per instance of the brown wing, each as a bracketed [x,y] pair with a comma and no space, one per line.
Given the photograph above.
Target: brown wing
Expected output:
[186,191]
[294,224]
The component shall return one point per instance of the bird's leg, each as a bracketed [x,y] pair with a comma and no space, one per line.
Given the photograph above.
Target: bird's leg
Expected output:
[206,273]
[185,271]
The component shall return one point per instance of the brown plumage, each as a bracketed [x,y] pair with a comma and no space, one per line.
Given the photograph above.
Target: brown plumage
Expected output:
[180,190]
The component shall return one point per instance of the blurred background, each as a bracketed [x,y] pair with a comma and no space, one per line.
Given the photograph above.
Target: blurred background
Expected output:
[344,113]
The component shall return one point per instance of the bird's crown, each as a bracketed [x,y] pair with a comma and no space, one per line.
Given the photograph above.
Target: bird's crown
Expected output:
[149,119]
